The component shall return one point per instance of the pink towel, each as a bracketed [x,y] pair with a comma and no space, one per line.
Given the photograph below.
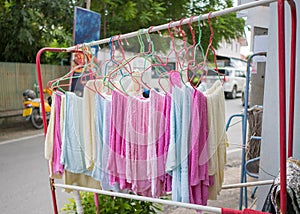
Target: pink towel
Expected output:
[158,144]
[198,172]
[117,155]
[57,167]
[137,127]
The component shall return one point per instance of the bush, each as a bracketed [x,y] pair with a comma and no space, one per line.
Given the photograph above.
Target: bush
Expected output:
[111,205]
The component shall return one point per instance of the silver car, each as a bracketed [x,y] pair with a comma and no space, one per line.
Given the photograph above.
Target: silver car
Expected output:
[233,80]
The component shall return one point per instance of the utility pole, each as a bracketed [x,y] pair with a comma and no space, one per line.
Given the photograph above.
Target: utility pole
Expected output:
[88,4]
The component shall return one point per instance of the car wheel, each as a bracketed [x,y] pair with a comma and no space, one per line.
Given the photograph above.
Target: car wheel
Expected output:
[232,94]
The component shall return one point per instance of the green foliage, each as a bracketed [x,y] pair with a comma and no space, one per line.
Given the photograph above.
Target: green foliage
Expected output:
[111,205]
[227,26]
[125,16]
[28,25]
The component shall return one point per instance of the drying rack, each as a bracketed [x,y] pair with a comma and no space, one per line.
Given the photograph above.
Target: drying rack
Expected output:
[282,100]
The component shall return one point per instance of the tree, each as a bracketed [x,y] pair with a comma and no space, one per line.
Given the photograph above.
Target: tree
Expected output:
[28,25]
[120,17]
[125,16]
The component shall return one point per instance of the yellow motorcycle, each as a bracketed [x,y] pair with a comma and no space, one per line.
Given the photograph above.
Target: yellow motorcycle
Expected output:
[33,109]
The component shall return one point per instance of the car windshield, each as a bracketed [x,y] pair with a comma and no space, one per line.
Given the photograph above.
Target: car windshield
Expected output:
[221,72]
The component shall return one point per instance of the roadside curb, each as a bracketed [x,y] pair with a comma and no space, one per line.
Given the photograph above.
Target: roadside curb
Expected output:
[20,139]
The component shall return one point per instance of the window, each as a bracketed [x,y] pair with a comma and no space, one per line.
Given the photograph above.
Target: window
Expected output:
[220,71]
[157,70]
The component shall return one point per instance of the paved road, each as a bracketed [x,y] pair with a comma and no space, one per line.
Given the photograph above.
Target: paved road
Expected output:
[23,181]
[24,184]
[234,131]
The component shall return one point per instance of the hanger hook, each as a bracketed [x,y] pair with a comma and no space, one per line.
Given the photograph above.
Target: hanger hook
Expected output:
[150,42]
[140,39]
[121,46]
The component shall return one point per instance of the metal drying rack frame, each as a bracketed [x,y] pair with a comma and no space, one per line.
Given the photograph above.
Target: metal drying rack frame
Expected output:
[282,95]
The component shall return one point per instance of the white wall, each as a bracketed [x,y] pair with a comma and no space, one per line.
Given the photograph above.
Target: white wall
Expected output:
[231,49]
[258,16]
[269,163]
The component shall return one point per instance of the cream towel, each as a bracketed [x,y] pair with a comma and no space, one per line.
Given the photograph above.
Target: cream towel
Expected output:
[89,121]
[50,133]
[217,137]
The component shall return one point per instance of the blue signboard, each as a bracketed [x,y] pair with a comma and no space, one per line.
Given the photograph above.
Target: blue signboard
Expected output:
[86,27]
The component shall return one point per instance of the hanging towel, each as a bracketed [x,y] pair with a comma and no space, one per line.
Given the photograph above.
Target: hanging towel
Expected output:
[116,165]
[57,167]
[88,116]
[50,132]
[177,158]
[198,171]
[99,140]
[217,138]
[158,143]
[163,150]
[102,124]
[80,180]
[49,141]
[137,128]
[62,115]
[72,155]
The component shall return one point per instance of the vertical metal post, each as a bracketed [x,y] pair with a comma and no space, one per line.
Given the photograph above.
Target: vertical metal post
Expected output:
[292,77]
[244,132]
[282,102]
[40,82]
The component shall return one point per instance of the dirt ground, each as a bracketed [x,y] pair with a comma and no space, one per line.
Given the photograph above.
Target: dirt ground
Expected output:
[17,127]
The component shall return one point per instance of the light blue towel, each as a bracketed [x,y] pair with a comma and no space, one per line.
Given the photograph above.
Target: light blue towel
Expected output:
[72,155]
[103,113]
[177,159]
[99,114]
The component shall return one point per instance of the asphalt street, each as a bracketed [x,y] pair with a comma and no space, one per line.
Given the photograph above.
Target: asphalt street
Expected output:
[23,181]
[24,178]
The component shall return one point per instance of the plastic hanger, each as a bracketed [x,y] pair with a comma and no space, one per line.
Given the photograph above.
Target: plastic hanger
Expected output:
[193,66]
[149,57]
[55,84]
[128,61]
[172,73]
[127,72]
[159,64]
[107,77]
[210,47]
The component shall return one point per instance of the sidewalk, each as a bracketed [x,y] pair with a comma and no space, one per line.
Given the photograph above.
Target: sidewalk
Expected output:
[228,198]
[17,127]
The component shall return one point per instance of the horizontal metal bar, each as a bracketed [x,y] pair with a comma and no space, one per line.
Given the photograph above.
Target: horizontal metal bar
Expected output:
[231,117]
[178,23]
[142,198]
[255,137]
[248,184]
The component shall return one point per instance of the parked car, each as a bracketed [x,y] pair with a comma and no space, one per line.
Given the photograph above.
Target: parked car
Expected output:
[233,80]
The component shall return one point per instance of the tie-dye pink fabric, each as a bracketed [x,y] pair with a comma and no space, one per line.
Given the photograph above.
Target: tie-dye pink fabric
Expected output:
[117,155]
[57,167]
[198,171]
